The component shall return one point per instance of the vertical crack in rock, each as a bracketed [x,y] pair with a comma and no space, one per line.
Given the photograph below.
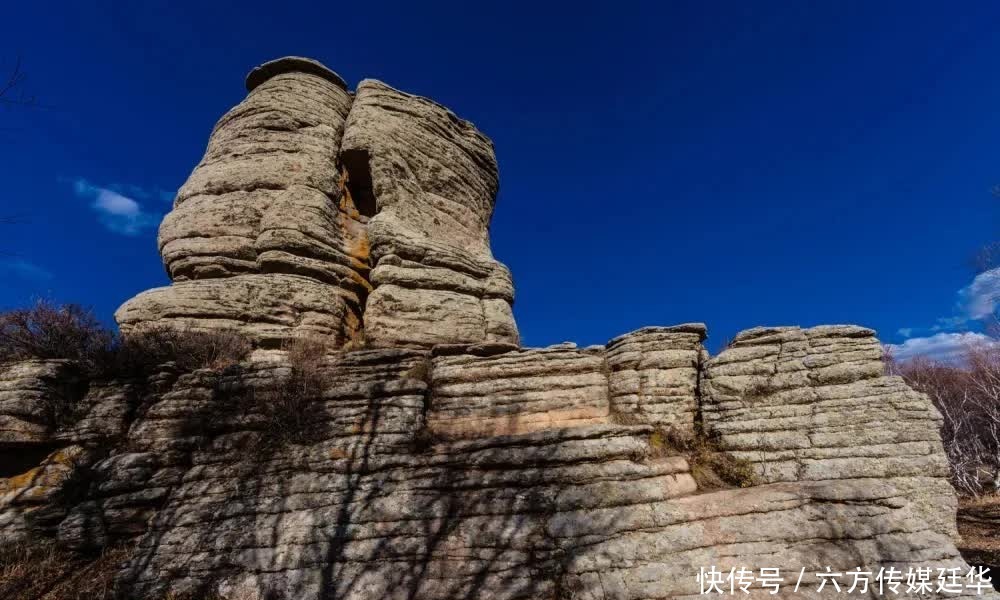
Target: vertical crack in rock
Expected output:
[359,180]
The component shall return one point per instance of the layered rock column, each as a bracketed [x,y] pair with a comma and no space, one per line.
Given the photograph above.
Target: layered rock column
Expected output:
[813,405]
[654,375]
[280,232]
[432,179]
[262,238]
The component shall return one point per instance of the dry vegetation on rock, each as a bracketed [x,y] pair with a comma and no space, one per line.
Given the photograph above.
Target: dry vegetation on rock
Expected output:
[41,570]
[968,398]
[285,403]
[50,331]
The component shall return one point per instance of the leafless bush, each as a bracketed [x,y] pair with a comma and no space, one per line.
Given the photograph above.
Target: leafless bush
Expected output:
[287,405]
[968,397]
[137,353]
[12,92]
[711,467]
[49,331]
[757,389]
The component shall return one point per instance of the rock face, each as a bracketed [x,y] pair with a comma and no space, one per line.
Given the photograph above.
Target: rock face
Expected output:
[433,458]
[32,396]
[654,375]
[500,473]
[432,179]
[319,213]
[263,239]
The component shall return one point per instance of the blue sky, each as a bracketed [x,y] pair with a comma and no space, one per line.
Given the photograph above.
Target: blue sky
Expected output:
[735,163]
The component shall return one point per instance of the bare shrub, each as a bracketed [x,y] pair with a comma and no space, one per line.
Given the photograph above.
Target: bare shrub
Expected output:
[138,353]
[287,405]
[68,331]
[757,389]
[968,398]
[49,331]
[617,416]
[358,342]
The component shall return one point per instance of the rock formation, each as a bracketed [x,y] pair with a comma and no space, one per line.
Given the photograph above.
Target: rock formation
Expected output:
[313,210]
[435,458]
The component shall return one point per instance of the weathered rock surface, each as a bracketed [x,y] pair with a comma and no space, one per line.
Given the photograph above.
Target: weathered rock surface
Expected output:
[443,461]
[268,308]
[816,395]
[654,375]
[517,392]
[33,394]
[31,503]
[486,471]
[433,180]
[390,227]
[264,206]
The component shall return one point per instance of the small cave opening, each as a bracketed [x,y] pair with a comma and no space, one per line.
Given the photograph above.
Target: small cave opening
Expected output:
[22,458]
[359,180]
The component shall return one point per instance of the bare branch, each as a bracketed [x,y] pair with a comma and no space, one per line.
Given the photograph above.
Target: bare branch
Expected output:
[968,398]
[12,92]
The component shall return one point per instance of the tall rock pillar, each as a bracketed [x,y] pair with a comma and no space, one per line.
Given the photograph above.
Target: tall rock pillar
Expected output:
[262,237]
[430,181]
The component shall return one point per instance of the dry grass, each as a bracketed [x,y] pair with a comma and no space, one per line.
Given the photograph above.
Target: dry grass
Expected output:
[757,389]
[40,570]
[138,353]
[710,467]
[358,342]
[616,416]
[242,591]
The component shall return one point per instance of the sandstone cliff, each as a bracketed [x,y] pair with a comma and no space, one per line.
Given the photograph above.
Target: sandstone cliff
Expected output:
[425,454]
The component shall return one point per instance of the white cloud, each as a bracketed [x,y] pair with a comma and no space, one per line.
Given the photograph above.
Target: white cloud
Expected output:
[944,347]
[117,212]
[979,299]
[24,269]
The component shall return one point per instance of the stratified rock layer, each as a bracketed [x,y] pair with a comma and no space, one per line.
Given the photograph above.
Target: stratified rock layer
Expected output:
[654,375]
[517,392]
[32,395]
[432,178]
[491,472]
[262,238]
[266,308]
[444,461]
[390,227]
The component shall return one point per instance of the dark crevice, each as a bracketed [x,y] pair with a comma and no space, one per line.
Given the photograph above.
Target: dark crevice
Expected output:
[18,459]
[359,180]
